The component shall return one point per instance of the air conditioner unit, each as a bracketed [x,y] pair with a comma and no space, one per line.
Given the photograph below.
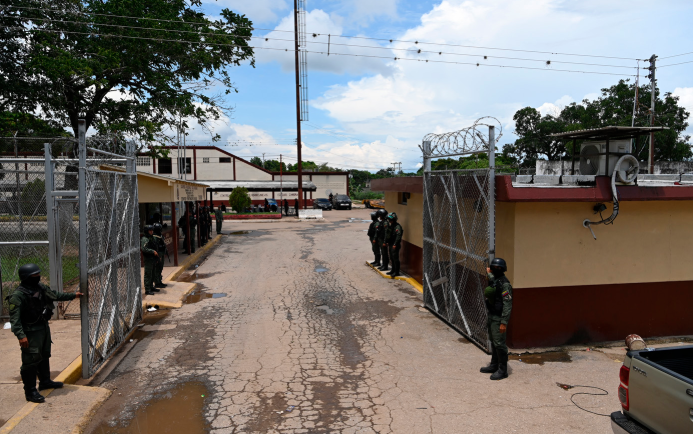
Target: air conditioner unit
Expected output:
[591,163]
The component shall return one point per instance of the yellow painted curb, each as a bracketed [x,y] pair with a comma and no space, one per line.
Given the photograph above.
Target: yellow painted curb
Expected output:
[409,280]
[193,258]
[69,375]
[166,304]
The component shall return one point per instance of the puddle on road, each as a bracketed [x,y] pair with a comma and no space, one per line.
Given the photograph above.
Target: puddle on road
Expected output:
[179,411]
[199,295]
[541,358]
[326,308]
[150,318]
[240,233]
[321,270]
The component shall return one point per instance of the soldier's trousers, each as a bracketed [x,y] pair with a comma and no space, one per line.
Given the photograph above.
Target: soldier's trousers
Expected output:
[219,223]
[149,265]
[39,349]
[376,250]
[394,257]
[159,269]
[385,257]
[497,338]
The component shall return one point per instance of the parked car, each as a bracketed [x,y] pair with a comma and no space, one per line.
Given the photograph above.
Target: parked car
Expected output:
[323,204]
[374,203]
[341,201]
[656,392]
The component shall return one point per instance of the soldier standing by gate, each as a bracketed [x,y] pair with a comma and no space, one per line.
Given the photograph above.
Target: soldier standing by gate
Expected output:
[372,231]
[499,303]
[31,306]
[381,236]
[161,250]
[394,243]
[219,217]
[148,246]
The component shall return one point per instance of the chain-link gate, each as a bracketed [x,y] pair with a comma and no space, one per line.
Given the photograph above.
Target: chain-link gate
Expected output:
[459,231]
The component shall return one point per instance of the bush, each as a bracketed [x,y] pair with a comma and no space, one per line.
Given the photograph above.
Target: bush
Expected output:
[362,195]
[239,199]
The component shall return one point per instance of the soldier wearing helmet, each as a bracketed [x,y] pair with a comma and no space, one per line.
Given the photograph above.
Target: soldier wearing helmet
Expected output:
[372,231]
[499,304]
[31,306]
[149,248]
[381,237]
[161,250]
[394,243]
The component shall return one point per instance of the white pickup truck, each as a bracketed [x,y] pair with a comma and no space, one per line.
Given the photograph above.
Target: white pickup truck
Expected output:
[656,392]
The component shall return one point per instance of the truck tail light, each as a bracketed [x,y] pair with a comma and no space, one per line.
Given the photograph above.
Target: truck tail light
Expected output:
[624,376]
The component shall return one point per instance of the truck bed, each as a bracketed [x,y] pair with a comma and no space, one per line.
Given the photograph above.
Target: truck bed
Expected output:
[676,360]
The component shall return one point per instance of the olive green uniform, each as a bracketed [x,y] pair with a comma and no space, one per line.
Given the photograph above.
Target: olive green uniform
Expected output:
[395,245]
[372,234]
[148,246]
[31,306]
[219,216]
[159,265]
[381,236]
[499,305]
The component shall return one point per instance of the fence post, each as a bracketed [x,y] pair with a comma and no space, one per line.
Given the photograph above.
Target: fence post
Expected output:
[53,243]
[491,193]
[83,258]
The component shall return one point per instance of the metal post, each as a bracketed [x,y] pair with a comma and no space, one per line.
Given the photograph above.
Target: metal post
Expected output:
[83,257]
[174,228]
[426,157]
[17,193]
[491,193]
[53,253]
[298,108]
[572,163]
[653,90]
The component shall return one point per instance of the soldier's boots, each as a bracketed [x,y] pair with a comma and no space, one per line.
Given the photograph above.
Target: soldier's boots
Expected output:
[148,292]
[376,263]
[493,366]
[395,273]
[44,375]
[154,289]
[161,285]
[30,392]
[502,371]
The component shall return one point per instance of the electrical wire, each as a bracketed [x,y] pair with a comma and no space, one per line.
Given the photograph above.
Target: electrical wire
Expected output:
[674,64]
[569,386]
[676,55]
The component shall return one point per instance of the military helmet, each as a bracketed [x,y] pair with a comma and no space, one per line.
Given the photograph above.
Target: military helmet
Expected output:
[382,213]
[374,216]
[500,263]
[392,216]
[28,270]
[148,228]
[157,228]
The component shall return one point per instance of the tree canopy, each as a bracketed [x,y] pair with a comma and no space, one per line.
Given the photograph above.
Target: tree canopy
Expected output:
[614,107]
[129,68]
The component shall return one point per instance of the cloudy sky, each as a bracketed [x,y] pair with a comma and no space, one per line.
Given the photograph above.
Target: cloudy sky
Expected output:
[368,110]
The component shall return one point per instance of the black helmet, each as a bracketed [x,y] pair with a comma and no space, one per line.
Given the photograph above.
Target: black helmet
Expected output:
[374,216]
[28,270]
[500,263]
[382,213]
[157,228]
[148,228]
[392,216]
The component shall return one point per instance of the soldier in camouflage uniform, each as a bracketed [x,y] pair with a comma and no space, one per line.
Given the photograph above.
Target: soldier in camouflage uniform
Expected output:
[149,247]
[219,217]
[381,237]
[372,231]
[161,250]
[394,243]
[31,306]
[499,303]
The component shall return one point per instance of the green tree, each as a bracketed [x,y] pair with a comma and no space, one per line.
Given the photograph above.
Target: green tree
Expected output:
[134,77]
[28,125]
[256,161]
[239,199]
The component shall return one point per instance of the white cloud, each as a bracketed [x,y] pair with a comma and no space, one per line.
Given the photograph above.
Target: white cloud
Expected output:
[554,109]
[258,11]
[685,95]
[369,9]
[320,23]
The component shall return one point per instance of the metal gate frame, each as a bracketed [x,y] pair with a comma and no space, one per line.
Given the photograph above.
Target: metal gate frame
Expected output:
[464,142]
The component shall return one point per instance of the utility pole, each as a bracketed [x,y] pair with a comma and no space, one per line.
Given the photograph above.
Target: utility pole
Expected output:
[263,160]
[298,109]
[281,181]
[653,88]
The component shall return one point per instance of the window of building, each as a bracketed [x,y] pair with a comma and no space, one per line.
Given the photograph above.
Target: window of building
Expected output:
[184,165]
[403,198]
[225,159]
[205,159]
[144,161]
[165,165]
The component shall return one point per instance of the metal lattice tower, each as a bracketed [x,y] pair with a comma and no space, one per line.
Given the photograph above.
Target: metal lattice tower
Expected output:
[303,59]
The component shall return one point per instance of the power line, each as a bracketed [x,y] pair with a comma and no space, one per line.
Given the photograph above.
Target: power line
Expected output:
[676,55]
[674,64]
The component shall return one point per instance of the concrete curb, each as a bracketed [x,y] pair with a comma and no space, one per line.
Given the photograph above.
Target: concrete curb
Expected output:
[193,258]
[408,279]
[69,375]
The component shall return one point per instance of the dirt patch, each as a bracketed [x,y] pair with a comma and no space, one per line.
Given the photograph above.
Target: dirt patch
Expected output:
[541,358]
[463,341]
[2,422]
[180,410]
[268,413]
[150,318]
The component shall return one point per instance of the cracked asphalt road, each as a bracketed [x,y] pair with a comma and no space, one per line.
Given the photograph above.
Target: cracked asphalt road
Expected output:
[306,324]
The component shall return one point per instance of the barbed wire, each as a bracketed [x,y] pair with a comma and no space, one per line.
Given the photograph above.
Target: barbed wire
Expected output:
[467,140]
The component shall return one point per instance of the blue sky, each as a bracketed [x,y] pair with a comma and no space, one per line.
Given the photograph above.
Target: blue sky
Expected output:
[370,112]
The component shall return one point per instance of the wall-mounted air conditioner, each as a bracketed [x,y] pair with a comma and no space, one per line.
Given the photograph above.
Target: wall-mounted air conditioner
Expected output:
[592,163]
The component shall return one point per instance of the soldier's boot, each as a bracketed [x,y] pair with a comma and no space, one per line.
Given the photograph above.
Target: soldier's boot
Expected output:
[155,289]
[502,371]
[395,272]
[44,375]
[161,285]
[493,366]
[29,380]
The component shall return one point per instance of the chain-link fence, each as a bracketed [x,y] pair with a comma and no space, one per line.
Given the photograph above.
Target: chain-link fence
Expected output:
[457,211]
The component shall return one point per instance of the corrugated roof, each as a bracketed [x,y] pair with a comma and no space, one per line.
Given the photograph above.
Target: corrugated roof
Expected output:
[613,132]
[260,185]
